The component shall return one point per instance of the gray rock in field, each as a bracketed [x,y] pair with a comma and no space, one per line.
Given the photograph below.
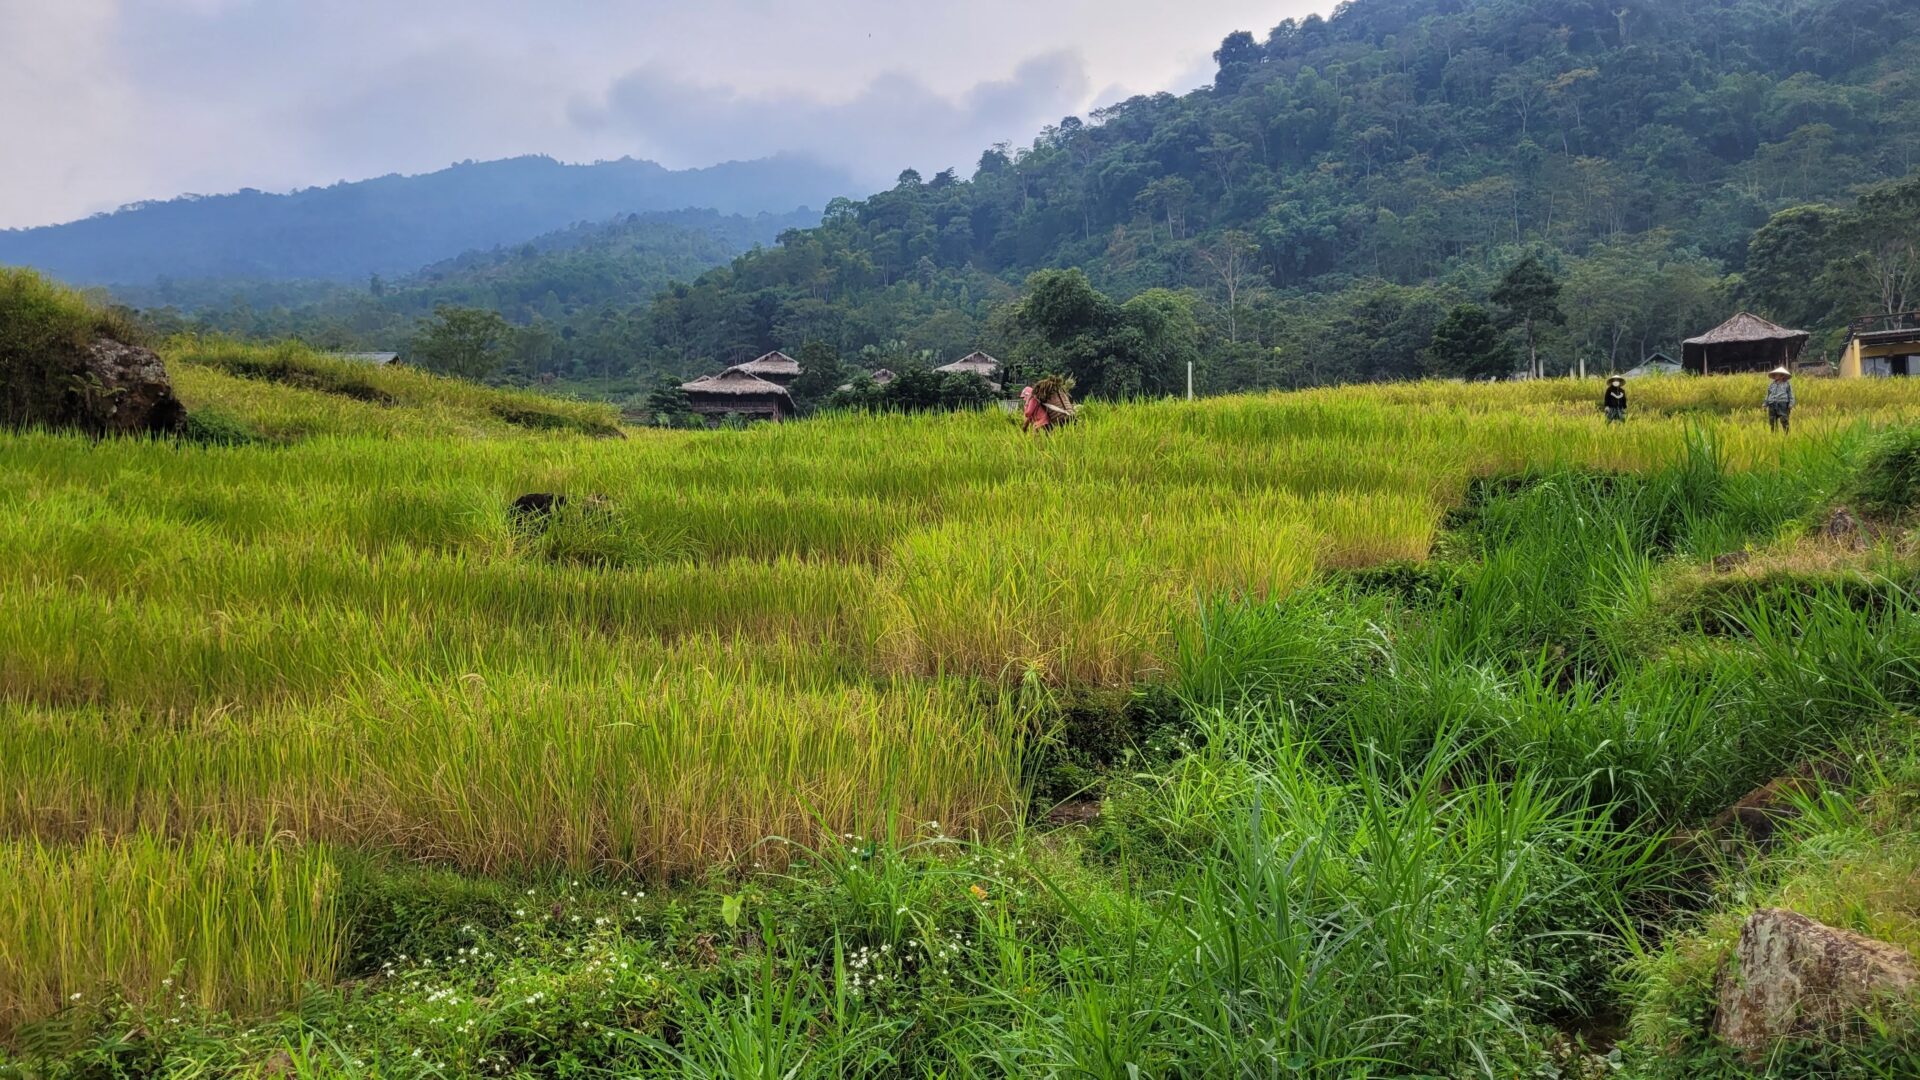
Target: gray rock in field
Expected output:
[124,389]
[1731,561]
[1794,978]
[1844,528]
[104,388]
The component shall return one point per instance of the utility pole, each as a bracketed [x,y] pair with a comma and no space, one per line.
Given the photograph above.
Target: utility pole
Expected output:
[1189,380]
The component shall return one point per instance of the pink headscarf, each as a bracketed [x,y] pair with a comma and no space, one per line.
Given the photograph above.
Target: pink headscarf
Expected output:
[1035,412]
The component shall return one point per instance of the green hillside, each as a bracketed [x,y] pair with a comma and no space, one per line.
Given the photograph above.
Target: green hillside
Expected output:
[572,289]
[277,394]
[1346,181]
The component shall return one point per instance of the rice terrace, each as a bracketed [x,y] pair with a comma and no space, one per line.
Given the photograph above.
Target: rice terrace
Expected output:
[1387,548]
[1396,696]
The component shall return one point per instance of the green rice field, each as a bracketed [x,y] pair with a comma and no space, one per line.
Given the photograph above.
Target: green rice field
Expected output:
[1386,740]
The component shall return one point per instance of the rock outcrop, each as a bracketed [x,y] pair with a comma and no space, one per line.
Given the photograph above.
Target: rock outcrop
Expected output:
[1843,529]
[106,388]
[1794,978]
[1755,821]
[124,389]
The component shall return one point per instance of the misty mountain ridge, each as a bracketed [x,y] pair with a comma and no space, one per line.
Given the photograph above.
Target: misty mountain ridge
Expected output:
[575,280]
[396,224]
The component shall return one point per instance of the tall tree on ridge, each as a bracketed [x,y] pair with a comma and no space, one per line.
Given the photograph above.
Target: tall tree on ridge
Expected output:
[1231,259]
[467,342]
[1468,345]
[1531,296]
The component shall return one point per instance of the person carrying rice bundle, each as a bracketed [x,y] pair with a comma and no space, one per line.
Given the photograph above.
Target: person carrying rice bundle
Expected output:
[1047,404]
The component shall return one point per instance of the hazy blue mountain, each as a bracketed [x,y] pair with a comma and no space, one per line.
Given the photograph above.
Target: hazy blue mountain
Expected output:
[397,224]
[576,282]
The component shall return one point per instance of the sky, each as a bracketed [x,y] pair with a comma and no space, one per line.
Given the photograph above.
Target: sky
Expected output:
[106,102]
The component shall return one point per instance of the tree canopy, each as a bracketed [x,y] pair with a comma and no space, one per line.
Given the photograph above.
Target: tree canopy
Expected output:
[1423,145]
[1344,183]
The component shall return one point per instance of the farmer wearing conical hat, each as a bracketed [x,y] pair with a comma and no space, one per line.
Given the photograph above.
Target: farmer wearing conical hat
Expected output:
[1780,400]
[1614,401]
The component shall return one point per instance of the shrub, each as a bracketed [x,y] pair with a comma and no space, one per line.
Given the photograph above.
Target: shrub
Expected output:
[391,911]
[42,325]
[211,425]
[1888,483]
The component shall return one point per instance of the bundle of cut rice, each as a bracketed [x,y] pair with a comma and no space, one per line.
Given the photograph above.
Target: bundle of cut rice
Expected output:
[1055,394]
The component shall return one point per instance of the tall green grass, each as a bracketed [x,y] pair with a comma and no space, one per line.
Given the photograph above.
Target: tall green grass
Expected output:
[342,380]
[341,634]
[213,920]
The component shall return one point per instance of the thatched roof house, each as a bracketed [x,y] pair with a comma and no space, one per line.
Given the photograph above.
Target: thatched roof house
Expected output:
[1744,343]
[775,367]
[977,363]
[737,391]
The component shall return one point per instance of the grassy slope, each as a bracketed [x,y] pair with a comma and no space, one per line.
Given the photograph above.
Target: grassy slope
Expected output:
[792,631]
[1851,860]
[285,393]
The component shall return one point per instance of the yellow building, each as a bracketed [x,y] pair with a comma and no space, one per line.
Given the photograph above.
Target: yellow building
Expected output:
[1881,346]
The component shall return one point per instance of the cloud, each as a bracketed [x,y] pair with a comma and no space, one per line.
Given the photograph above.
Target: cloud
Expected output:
[107,101]
[892,122]
[64,104]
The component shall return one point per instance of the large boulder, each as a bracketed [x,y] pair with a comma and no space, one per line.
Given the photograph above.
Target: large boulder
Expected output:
[103,387]
[121,389]
[1794,978]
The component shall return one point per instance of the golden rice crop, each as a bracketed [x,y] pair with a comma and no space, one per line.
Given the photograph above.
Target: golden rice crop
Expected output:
[341,635]
[212,921]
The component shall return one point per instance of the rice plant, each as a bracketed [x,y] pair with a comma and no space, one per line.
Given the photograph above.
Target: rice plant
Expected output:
[335,632]
[214,920]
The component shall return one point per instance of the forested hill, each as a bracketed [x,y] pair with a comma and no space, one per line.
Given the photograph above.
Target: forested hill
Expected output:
[572,288]
[1345,180]
[396,224]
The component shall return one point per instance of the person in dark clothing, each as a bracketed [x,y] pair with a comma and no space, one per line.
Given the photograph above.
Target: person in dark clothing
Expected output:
[1614,401]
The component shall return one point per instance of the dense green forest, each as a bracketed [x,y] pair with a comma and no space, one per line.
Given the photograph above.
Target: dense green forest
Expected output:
[395,224]
[1350,199]
[1348,182]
